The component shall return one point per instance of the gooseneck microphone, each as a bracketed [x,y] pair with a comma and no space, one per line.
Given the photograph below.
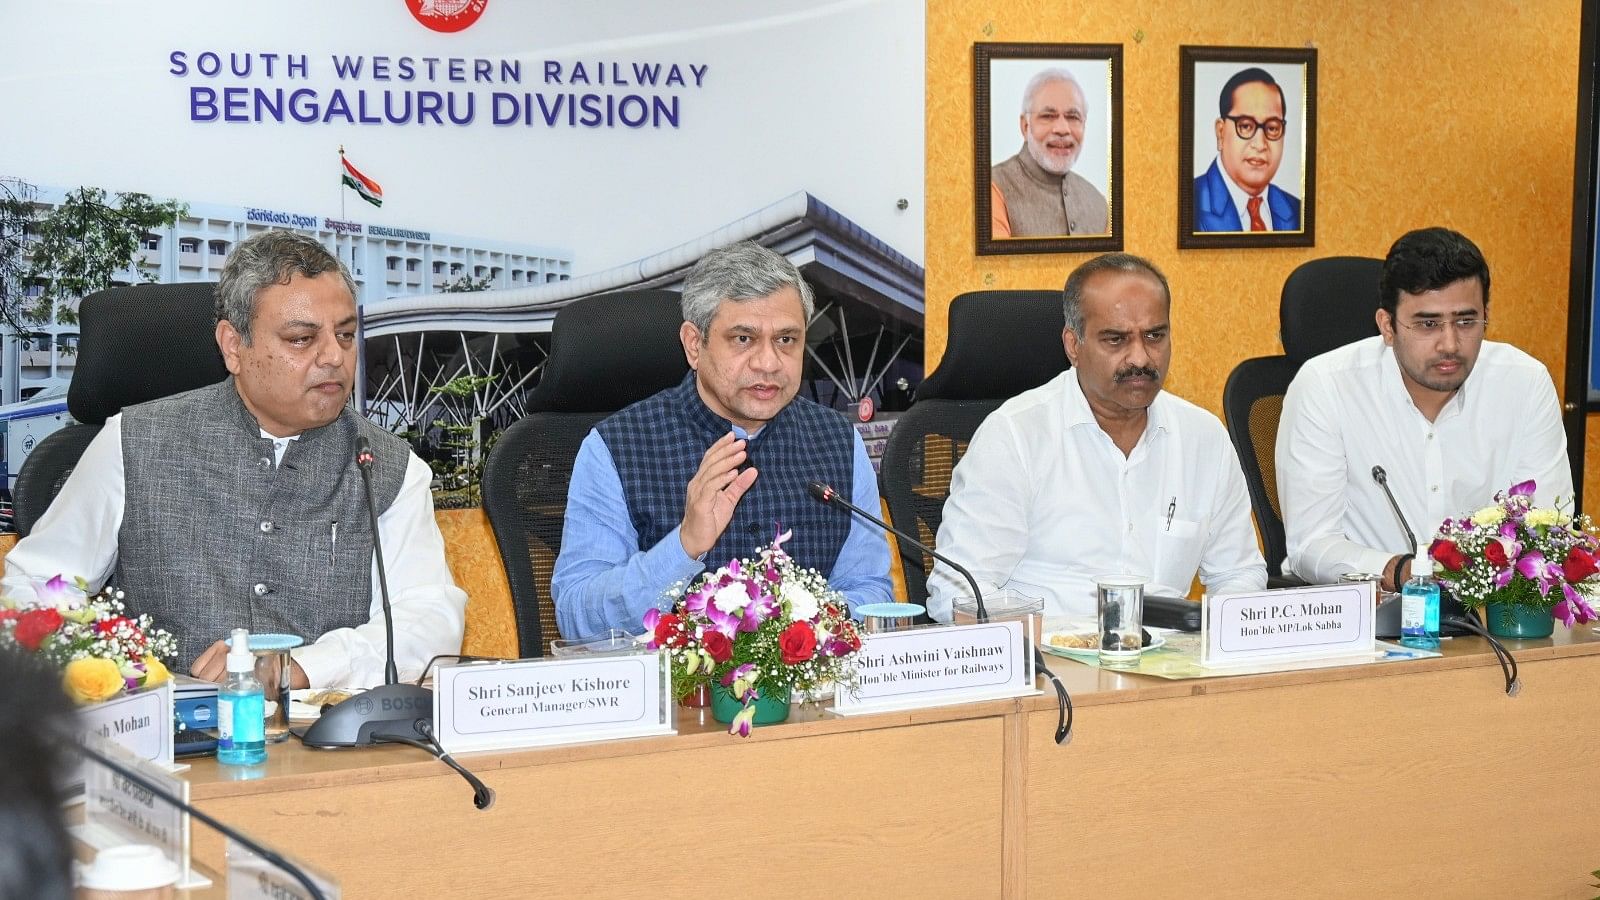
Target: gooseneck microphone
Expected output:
[393,708]
[1463,620]
[1382,478]
[135,777]
[395,712]
[831,497]
[364,465]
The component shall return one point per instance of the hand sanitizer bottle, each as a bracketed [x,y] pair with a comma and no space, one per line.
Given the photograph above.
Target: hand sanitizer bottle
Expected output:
[241,708]
[1419,604]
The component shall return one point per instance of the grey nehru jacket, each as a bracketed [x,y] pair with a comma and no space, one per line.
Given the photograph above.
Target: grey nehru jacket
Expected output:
[215,537]
[1040,204]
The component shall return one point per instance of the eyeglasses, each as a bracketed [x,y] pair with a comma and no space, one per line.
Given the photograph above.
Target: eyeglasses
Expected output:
[1468,325]
[1245,127]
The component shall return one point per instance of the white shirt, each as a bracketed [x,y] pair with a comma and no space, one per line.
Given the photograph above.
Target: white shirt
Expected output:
[77,535]
[1241,199]
[1043,501]
[1348,410]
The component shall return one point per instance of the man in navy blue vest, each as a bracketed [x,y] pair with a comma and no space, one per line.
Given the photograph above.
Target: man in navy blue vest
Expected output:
[710,470]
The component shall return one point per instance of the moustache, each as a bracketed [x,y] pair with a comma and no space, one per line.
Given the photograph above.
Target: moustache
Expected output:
[1149,372]
[1136,372]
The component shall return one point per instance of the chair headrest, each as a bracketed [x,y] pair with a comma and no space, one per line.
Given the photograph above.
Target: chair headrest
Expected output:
[143,343]
[1001,343]
[1328,303]
[611,350]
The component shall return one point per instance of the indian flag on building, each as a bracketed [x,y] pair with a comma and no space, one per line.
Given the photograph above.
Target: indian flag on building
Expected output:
[366,187]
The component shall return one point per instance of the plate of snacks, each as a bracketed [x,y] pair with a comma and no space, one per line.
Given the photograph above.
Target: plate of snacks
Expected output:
[1087,643]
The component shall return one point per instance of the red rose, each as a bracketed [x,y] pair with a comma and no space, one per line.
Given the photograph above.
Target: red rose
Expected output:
[797,643]
[1448,555]
[34,626]
[669,631]
[718,645]
[1495,553]
[1579,564]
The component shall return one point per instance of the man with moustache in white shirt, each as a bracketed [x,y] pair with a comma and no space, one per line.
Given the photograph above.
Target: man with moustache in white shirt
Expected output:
[1099,471]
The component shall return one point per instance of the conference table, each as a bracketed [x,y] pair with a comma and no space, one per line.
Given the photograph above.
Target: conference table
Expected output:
[1405,778]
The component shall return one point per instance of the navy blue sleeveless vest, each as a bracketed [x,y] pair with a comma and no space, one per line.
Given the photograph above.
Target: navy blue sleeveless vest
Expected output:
[657,444]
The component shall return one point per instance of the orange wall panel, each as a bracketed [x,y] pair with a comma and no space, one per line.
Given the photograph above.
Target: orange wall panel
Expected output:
[1430,113]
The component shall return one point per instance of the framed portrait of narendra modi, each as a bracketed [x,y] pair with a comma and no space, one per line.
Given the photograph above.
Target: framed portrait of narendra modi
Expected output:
[1247,137]
[1047,138]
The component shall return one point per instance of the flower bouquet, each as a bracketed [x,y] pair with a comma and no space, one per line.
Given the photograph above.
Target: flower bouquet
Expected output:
[100,651]
[757,628]
[1520,557]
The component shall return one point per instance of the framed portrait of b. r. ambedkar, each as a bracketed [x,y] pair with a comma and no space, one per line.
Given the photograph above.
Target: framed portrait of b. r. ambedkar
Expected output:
[1047,147]
[1247,142]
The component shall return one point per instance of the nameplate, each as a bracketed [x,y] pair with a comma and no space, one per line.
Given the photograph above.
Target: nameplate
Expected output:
[1290,624]
[939,666]
[250,877]
[120,810]
[140,723]
[531,703]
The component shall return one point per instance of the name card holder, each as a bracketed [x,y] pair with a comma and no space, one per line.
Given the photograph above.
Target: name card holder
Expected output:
[532,703]
[252,878]
[940,665]
[140,723]
[1289,625]
[119,811]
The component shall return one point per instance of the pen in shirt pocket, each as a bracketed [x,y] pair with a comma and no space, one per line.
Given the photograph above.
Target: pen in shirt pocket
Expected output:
[1172,507]
[333,543]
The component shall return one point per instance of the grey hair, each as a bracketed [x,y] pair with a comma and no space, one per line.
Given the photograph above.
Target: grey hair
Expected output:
[1072,294]
[1048,76]
[743,271]
[272,257]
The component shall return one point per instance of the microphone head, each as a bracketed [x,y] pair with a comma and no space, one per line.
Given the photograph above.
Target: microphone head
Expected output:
[1379,475]
[363,450]
[820,491]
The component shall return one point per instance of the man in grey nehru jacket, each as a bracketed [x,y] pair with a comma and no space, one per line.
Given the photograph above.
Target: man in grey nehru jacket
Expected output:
[240,505]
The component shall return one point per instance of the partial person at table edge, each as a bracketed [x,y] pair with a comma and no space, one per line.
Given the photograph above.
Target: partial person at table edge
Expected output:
[1451,417]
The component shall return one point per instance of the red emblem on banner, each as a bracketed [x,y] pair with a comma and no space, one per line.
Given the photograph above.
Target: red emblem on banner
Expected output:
[866,409]
[446,15]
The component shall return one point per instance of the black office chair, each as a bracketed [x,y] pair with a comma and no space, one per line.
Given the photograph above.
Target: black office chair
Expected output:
[606,352]
[1325,304]
[1252,403]
[1001,343]
[137,344]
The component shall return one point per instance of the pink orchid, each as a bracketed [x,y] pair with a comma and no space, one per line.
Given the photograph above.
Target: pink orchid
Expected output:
[55,592]
[742,720]
[725,623]
[651,617]
[762,607]
[1572,608]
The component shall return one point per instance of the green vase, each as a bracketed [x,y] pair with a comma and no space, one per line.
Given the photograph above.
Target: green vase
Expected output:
[769,708]
[1513,620]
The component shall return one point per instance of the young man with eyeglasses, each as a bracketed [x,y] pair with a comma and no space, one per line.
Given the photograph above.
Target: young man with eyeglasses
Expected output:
[1237,193]
[1451,418]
